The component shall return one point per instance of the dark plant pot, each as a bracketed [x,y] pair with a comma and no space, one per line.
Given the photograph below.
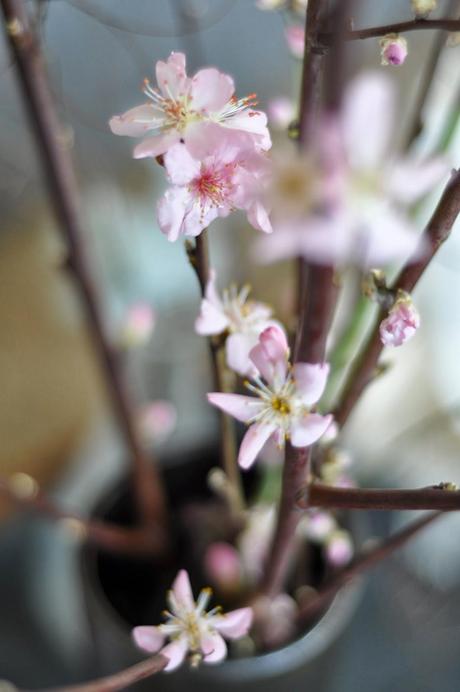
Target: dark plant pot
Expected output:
[121,593]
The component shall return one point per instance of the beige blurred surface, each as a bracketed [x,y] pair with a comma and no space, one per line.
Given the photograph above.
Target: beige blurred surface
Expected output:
[50,385]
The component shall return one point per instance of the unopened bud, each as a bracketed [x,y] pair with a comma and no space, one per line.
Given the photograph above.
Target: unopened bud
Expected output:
[402,322]
[74,528]
[23,486]
[422,8]
[393,49]
[339,548]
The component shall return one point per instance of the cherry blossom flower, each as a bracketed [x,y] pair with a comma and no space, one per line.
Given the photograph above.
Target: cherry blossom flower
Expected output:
[137,326]
[241,318]
[229,177]
[187,109]
[191,629]
[402,322]
[283,399]
[393,49]
[352,195]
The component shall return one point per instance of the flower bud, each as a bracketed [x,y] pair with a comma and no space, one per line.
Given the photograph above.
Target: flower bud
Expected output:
[138,325]
[280,112]
[402,322]
[295,37]
[339,548]
[223,566]
[422,8]
[393,49]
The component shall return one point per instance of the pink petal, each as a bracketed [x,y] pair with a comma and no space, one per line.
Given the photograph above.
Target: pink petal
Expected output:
[306,430]
[213,647]
[368,118]
[237,348]
[222,564]
[135,122]
[171,76]
[154,146]
[211,320]
[197,218]
[241,407]
[254,122]
[148,638]
[234,624]
[171,211]
[175,652]
[180,166]
[258,217]
[201,138]
[182,590]
[253,441]
[211,90]
[409,180]
[310,381]
[211,290]
[270,355]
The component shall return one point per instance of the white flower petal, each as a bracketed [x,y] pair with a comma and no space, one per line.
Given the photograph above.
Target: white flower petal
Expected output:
[309,428]
[253,441]
[310,381]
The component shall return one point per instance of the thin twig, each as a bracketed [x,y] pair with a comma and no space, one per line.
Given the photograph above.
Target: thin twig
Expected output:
[361,564]
[327,38]
[435,234]
[107,536]
[443,497]
[119,681]
[199,259]
[60,179]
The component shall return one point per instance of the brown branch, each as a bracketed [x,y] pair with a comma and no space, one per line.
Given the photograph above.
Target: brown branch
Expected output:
[110,537]
[435,234]
[60,179]
[326,38]
[119,681]
[199,259]
[360,564]
[443,497]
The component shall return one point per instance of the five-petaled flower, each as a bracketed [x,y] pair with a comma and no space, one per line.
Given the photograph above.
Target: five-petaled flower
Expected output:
[191,629]
[242,319]
[283,401]
[229,176]
[188,109]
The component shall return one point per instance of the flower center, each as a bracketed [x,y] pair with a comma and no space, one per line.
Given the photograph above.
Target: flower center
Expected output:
[281,405]
[176,112]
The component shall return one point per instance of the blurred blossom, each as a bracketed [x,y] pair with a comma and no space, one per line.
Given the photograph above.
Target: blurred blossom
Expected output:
[453,39]
[393,49]
[422,8]
[402,322]
[295,37]
[352,208]
[319,525]
[339,548]
[281,112]
[191,629]
[234,314]
[283,399]
[156,421]
[222,565]
[190,110]
[270,4]
[230,176]
[138,325]
[335,467]
[278,617]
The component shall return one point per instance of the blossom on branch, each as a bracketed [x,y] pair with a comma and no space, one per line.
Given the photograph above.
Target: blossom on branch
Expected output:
[188,109]
[284,396]
[230,176]
[191,629]
[393,49]
[234,314]
[402,322]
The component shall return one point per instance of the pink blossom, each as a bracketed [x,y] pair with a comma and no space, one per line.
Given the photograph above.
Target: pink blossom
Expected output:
[402,322]
[157,420]
[393,49]
[353,209]
[222,565]
[243,319]
[339,548]
[295,37]
[188,109]
[280,112]
[229,177]
[191,629]
[283,399]
[138,325]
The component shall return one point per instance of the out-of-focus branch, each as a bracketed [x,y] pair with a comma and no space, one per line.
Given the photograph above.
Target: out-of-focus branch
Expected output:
[60,179]
[435,234]
[361,564]
[327,38]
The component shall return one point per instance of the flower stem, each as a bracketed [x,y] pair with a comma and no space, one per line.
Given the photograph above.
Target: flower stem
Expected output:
[199,259]
[446,24]
[60,179]
[435,234]
[360,564]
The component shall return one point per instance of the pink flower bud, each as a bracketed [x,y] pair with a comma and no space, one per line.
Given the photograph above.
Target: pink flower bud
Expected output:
[223,566]
[393,49]
[138,325]
[274,343]
[295,37]
[402,322]
[156,420]
[339,548]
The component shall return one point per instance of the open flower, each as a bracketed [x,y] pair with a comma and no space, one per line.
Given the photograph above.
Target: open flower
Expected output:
[283,399]
[186,109]
[230,176]
[192,630]
[357,194]
[241,318]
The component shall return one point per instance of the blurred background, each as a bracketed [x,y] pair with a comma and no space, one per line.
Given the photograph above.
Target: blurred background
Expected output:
[55,423]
